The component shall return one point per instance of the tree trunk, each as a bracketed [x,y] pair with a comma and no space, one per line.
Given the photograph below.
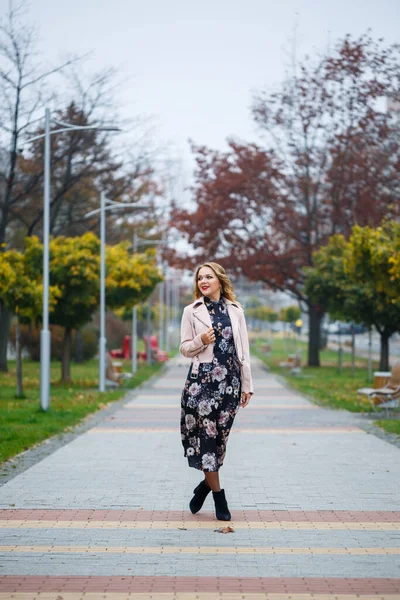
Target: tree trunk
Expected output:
[18,349]
[340,354]
[5,322]
[353,351]
[384,357]
[314,335]
[66,358]
[149,331]
[78,347]
[370,354]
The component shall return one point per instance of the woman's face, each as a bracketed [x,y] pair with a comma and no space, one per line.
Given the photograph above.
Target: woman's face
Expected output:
[208,283]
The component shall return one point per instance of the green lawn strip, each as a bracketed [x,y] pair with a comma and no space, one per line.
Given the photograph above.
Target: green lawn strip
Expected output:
[389,425]
[22,422]
[324,385]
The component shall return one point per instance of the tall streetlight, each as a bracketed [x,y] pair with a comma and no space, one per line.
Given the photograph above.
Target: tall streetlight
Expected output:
[142,242]
[172,296]
[134,319]
[108,205]
[45,339]
[167,311]
[174,306]
[161,312]
[161,300]
[177,303]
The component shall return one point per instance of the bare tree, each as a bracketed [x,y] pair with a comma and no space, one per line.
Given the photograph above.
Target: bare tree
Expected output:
[82,162]
[22,90]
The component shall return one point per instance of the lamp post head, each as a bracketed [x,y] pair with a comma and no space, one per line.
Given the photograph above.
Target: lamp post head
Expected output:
[116,205]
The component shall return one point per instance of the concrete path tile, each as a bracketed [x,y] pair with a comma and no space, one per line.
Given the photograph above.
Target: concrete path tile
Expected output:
[315,502]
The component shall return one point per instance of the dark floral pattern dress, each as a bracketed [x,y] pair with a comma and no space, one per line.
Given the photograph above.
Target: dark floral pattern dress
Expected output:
[210,401]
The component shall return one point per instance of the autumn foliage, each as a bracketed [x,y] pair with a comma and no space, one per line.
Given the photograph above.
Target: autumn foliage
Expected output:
[75,282]
[329,159]
[358,280]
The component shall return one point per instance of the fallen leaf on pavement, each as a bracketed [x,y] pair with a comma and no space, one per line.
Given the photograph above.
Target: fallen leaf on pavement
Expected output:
[225,530]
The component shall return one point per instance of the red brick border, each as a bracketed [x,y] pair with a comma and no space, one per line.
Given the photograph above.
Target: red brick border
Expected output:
[317,585]
[317,516]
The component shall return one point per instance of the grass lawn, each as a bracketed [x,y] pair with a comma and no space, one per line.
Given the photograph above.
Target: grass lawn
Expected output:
[390,425]
[22,422]
[325,385]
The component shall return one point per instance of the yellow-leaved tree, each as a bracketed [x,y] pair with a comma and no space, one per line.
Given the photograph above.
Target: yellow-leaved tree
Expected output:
[131,278]
[75,270]
[359,280]
[21,292]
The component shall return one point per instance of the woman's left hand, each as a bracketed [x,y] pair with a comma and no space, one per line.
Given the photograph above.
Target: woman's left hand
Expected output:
[245,399]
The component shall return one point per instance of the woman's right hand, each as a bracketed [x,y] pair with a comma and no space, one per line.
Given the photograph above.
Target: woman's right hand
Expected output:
[208,337]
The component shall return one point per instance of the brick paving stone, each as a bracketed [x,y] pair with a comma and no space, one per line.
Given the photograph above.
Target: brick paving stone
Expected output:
[272,585]
[317,494]
[243,515]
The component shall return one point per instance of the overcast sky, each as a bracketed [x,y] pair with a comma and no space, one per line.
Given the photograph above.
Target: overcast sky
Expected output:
[194,64]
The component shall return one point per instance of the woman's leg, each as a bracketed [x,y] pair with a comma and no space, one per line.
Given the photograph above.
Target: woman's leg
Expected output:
[221,506]
[212,478]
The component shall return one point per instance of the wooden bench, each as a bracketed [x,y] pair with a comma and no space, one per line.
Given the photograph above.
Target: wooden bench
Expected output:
[114,374]
[386,397]
[293,363]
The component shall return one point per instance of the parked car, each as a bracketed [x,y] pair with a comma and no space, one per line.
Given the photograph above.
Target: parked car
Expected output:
[339,328]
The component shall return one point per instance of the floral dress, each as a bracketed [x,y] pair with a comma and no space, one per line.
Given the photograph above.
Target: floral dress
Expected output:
[210,401]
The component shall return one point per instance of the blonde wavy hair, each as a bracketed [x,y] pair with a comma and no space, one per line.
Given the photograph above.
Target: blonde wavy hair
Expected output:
[227,289]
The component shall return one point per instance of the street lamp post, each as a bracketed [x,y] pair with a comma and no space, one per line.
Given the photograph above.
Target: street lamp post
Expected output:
[136,241]
[45,339]
[149,358]
[168,312]
[105,205]
[172,302]
[134,319]
[370,354]
[161,315]
[102,341]
[134,340]
[176,311]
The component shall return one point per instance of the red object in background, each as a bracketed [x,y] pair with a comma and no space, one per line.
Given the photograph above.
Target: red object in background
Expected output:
[126,347]
[160,355]
[126,351]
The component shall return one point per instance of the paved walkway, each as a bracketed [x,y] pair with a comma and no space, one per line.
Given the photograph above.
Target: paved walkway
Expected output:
[315,503]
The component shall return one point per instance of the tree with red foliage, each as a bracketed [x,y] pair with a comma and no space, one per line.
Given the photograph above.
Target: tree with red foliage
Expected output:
[329,159]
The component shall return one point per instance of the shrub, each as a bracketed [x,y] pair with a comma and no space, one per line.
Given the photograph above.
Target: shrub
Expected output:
[116,329]
[84,344]
[30,340]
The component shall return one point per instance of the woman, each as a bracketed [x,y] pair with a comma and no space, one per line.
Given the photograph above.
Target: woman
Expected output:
[214,336]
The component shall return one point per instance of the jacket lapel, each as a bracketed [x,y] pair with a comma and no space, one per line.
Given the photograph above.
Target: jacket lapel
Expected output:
[233,315]
[200,312]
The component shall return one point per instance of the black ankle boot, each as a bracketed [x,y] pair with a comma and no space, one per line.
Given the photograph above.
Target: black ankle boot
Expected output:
[221,506]
[200,494]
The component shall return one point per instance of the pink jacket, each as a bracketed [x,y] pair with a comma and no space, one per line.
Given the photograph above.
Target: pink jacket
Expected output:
[196,320]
